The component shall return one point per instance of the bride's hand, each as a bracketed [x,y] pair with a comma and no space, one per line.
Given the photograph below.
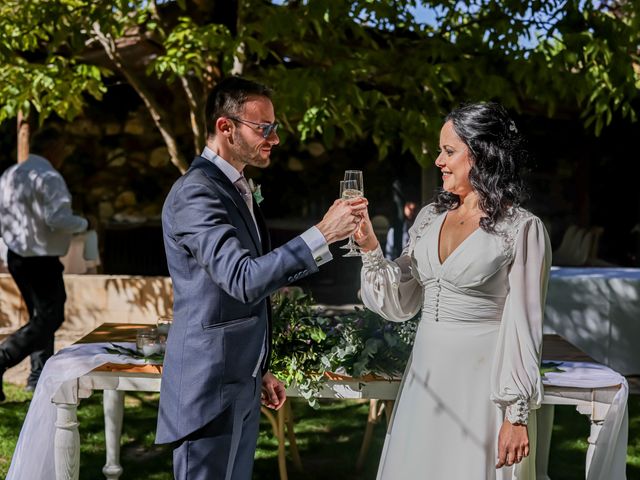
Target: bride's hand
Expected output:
[513,444]
[364,234]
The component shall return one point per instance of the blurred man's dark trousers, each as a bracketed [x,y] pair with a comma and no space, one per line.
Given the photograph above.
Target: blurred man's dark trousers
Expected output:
[40,282]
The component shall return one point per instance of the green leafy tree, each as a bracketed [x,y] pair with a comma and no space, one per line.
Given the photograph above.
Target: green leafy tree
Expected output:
[363,69]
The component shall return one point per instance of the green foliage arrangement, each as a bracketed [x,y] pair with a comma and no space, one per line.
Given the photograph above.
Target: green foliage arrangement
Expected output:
[307,345]
[371,345]
[302,350]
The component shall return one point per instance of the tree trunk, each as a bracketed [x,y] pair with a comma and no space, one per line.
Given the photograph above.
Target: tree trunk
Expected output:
[24,132]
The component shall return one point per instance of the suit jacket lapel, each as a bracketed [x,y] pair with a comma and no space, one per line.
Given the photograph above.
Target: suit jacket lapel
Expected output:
[262,225]
[231,191]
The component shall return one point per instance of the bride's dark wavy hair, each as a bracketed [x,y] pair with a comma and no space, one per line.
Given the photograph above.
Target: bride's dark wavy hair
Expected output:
[497,154]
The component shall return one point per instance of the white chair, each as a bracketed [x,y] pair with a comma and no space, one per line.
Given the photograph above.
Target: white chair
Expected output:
[574,248]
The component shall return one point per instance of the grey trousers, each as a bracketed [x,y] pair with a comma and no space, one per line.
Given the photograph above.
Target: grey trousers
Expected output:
[224,448]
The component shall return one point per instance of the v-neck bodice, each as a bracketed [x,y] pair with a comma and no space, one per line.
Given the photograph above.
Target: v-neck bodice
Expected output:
[443,220]
[471,284]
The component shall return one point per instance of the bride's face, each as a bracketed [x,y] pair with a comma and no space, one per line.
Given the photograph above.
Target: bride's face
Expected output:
[454,161]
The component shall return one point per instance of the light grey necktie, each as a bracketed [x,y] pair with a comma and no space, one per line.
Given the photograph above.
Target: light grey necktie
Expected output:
[245,192]
[243,187]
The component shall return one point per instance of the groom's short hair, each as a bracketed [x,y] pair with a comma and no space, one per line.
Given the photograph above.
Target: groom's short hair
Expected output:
[228,97]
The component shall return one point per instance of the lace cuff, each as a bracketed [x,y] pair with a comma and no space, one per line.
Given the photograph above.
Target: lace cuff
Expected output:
[373,260]
[518,412]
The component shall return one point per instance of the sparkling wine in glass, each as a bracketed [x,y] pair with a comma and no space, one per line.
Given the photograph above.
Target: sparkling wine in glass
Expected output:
[356,176]
[349,189]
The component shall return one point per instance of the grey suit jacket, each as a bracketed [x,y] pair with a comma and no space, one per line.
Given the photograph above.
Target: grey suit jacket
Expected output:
[222,277]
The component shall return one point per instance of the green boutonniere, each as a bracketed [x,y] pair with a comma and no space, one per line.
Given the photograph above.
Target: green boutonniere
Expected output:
[255,191]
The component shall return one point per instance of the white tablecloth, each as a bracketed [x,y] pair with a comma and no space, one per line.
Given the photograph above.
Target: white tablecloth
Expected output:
[33,457]
[598,311]
[34,454]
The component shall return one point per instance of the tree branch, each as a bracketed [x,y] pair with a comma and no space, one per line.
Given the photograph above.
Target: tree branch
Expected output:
[195,114]
[158,114]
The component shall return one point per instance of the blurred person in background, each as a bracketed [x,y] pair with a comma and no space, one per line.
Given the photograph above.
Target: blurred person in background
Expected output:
[398,238]
[36,224]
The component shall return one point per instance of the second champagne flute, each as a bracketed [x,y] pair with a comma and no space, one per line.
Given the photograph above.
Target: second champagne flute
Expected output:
[349,189]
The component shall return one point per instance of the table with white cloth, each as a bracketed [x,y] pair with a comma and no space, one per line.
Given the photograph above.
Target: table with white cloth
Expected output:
[598,311]
[49,443]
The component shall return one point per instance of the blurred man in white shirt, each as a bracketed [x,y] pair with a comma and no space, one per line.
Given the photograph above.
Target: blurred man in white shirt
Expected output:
[36,224]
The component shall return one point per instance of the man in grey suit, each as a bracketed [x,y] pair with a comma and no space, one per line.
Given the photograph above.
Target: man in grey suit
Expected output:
[223,271]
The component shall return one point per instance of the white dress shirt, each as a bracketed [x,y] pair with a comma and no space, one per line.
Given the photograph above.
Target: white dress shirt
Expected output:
[35,210]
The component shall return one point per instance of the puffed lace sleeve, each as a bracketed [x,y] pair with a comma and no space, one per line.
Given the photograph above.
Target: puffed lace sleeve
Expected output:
[516,382]
[389,287]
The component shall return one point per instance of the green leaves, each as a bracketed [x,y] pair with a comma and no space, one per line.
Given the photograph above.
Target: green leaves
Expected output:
[342,71]
[190,49]
[301,347]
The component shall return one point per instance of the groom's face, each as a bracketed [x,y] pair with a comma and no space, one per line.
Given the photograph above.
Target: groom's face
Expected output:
[249,145]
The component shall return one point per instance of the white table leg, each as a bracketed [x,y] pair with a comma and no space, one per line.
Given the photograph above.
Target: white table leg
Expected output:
[113,402]
[544,421]
[596,413]
[67,443]
[596,426]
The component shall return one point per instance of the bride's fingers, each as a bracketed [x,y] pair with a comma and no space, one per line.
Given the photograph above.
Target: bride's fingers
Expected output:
[502,457]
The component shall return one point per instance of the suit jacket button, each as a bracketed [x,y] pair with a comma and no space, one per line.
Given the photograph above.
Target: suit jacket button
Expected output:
[290,279]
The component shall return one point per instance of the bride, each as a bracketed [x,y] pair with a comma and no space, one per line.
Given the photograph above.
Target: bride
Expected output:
[477,266]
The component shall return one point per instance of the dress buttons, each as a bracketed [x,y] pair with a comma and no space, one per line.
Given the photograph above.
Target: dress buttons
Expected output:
[437,298]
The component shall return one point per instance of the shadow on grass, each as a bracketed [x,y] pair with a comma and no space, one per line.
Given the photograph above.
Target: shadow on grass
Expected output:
[328,439]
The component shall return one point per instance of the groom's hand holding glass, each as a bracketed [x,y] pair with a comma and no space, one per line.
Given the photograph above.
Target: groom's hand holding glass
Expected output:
[342,219]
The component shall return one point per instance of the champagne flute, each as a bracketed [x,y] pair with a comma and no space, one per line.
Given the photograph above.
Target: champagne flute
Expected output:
[355,175]
[349,189]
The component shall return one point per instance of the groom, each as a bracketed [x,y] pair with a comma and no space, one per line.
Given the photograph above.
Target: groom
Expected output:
[223,270]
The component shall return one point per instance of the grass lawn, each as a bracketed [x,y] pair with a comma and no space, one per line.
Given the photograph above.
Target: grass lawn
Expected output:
[328,439]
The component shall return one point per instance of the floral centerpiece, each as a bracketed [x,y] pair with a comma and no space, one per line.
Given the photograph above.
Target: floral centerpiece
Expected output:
[371,345]
[302,350]
[307,345]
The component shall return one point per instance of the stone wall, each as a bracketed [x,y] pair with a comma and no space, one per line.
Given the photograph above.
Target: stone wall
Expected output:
[91,301]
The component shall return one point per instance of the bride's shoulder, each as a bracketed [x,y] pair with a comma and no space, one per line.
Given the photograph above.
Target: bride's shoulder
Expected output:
[514,218]
[427,215]
[511,225]
[424,218]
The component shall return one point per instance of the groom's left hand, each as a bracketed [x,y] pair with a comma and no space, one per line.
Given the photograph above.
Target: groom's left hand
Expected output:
[273,392]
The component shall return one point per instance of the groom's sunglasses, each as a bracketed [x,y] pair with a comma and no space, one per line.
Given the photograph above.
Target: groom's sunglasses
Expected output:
[267,128]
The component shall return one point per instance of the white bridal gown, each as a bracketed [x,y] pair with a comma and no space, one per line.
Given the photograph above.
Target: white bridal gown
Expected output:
[477,348]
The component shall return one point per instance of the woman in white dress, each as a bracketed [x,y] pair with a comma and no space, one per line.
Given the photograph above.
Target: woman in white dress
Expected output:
[477,266]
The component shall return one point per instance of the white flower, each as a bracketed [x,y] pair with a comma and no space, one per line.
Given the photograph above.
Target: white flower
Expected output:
[255,190]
